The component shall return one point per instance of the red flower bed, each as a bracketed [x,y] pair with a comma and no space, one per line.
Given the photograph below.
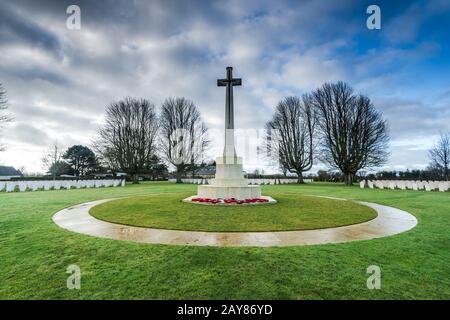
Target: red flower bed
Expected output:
[229,201]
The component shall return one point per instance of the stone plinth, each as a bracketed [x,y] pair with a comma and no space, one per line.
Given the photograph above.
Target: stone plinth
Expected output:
[229,182]
[239,193]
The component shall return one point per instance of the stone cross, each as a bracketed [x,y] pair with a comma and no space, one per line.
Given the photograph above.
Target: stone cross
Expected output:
[229,82]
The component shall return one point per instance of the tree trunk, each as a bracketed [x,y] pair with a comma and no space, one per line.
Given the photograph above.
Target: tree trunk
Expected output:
[348,179]
[135,178]
[300,178]
[178,176]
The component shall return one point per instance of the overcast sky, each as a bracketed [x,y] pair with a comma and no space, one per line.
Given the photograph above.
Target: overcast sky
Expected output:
[59,80]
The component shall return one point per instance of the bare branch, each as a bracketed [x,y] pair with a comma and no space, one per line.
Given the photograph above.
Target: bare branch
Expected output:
[183,135]
[354,135]
[440,155]
[290,134]
[4,117]
[51,158]
[127,141]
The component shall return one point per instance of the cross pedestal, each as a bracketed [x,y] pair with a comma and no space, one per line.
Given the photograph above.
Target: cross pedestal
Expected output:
[229,180]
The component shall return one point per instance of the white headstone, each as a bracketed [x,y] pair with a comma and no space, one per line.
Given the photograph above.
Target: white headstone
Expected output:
[57,185]
[442,186]
[22,186]
[435,185]
[46,185]
[10,186]
[362,183]
[33,185]
[408,184]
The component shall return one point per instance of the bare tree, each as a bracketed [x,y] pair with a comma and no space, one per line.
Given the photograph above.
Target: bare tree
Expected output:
[52,157]
[128,138]
[290,135]
[183,135]
[4,117]
[354,135]
[440,155]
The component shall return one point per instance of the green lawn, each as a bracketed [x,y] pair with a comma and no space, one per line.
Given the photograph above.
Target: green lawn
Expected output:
[34,255]
[292,212]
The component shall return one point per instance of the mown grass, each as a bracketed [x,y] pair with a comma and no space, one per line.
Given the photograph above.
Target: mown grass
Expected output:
[291,212]
[35,253]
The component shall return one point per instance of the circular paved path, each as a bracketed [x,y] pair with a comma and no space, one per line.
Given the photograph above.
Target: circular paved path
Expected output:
[389,221]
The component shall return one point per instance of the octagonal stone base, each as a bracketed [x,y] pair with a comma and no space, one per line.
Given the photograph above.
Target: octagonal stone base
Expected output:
[229,182]
[229,192]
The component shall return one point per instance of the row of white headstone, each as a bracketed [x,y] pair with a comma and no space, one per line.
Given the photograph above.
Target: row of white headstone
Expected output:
[22,186]
[250,181]
[442,186]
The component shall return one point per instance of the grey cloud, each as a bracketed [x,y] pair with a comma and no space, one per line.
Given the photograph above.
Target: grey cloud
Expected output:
[35,73]
[28,133]
[409,156]
[409,119]
[64,119]
[16,27]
